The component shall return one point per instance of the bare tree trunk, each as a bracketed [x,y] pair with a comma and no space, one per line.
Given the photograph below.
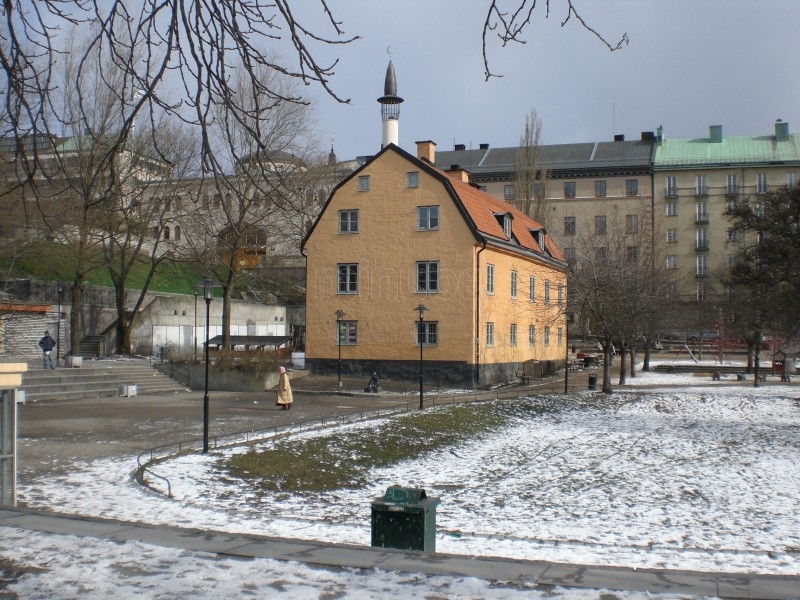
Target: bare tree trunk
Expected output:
[757,360]
[633,361]
[119,302]
[749,356]
[607,368]
[646,362]
[622,365]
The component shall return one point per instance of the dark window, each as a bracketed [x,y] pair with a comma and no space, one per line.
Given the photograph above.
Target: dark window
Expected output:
[569,189]
[600,188]
[348,279]
[631,187]
[428,276]
[348,221]
[569,225]
[427,333]
[600,225]
[427,218]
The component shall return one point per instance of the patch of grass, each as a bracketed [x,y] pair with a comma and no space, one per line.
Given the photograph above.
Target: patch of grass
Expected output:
[344,459]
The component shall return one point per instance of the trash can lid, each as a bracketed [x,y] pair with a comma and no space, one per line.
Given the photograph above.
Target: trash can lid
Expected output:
[405,495]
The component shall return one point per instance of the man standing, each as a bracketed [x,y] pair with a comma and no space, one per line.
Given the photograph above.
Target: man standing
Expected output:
[47,343]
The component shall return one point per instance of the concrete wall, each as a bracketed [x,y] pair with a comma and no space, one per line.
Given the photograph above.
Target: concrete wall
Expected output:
[193,376]
[20,333]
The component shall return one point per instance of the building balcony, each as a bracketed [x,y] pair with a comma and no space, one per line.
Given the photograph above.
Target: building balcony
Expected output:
[701,192]
[701,246]
[732,192]
[701,219]
[672,194]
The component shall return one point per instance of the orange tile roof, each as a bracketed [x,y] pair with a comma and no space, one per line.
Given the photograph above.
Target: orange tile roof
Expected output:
[483,207]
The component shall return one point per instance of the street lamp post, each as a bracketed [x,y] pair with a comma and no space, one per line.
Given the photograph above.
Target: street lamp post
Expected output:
[58,325]
[207,285]
[339,314]
[420,340]
[195,327]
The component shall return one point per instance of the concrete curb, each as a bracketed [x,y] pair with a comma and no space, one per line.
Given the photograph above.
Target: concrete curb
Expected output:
[523,573]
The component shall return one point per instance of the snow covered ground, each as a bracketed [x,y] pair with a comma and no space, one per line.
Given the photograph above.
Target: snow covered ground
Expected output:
[89,568]
[703,478]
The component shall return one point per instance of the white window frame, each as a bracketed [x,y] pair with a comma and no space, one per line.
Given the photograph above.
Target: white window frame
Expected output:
[514,282]
[348,333]
[671,186]
[349,269]
[428,218]
[672,261]
[672,208]
[349,212]
[547,291]
[490,334]
[430,270]
[560,295]
[508,192]
[412,179]
[531,335]
[547,336]
[364,183]
[532,288]
[631,187]
[512,335]
[701,185]
[672,235]
[701,265]
[762,184]
[731,187]
[570,189]
[600,188]
[490,279]
[429,333]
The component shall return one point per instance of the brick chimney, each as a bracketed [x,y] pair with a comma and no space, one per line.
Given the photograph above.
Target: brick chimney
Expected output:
[457,173]
[426,150]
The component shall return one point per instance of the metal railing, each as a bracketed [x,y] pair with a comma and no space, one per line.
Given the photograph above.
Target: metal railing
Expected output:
[151,456]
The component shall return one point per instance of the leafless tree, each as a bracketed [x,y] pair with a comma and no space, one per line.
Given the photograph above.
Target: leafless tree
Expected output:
[530,173]
[508,21]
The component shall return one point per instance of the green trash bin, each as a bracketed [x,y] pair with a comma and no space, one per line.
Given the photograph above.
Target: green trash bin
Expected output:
[404,518]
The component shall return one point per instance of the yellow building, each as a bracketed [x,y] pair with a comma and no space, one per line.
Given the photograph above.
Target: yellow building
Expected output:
[399,233]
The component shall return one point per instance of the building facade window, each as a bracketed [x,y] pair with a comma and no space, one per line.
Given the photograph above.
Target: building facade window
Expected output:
[632,255]
[547,335]
[507,225]
[412,179]
[701,185]
[514,280]
[363,183]
[731,186]
[631,187]
[761,183]
[700,291]
[672,209]
[560,296]
[672,261]
[532,335]
[569,256]
[600,188]
[532,289]
[733,234]
[177,235]
[560,336]
[791,180]
[427,333]
[348,278]
[348,333]
[569,225]
[569,189]
[730,260]
[512,335]
[600,225]
[672,235]
[600,253]
[427,277]
[508,192]
[631,223]
[348,221]
[427,218]
[166,232]
[672,186]
[702,265]
[538,190]
[701,237]
[489,334]
[490,279]
[547,291]
[701,212]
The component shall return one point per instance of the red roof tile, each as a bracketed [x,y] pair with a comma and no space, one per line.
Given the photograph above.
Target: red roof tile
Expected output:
[483,207]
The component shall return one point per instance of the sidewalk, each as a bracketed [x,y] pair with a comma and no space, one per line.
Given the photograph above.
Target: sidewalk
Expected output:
[501,570]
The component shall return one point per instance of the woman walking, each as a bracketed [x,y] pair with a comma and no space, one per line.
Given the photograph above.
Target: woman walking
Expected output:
[284,390]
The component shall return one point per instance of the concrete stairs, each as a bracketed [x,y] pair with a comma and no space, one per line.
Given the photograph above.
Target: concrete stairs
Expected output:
[91,346]
[95,379]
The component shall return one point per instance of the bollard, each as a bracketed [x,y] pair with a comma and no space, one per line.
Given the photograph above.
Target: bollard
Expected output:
[592,382]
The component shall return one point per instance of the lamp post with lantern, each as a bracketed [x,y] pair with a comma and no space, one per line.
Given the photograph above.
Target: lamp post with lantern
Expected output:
[420,340]
[207,286]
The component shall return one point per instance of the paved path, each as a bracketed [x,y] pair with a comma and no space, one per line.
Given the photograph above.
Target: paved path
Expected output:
[540,573]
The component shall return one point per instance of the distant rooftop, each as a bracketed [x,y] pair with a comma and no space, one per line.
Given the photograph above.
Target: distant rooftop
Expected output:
[732,150]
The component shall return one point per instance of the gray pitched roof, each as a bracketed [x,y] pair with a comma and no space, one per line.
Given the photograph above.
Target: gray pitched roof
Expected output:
[588,156]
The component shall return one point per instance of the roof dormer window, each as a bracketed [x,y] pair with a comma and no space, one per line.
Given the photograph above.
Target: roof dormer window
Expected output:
[539,236]
[504,219]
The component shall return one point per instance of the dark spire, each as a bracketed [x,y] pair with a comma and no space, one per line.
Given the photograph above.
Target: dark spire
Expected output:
[332,157]
[390,87]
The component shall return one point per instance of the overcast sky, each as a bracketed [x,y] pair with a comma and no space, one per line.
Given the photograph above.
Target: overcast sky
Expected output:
[690,64]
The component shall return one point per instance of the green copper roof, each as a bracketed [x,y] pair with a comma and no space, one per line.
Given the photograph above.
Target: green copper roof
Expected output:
[732,150]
